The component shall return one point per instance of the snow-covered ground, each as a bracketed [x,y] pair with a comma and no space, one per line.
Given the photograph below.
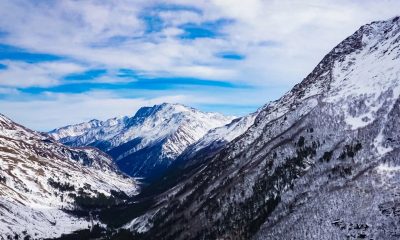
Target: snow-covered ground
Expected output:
[31,166]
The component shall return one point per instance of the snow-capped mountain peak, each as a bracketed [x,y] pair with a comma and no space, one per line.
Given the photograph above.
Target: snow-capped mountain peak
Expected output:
[166,130]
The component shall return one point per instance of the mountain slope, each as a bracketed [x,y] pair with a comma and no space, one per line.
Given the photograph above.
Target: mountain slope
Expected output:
[192,159]
[322,162]
[217,138]
[145,144]
[40,177]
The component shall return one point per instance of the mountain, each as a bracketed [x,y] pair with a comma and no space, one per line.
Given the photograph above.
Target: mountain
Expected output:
[42,182]
[191,160]
[147,143]
[321,162]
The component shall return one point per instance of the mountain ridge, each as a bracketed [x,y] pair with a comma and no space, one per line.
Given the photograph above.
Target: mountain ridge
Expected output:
[144,145]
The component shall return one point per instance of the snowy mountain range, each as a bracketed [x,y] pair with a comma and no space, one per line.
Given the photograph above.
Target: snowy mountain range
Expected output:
[191,160]
[147,143]
[321,162]
[41,180]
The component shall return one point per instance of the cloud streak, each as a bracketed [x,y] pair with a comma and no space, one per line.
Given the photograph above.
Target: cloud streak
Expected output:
[269,45]
[23,74]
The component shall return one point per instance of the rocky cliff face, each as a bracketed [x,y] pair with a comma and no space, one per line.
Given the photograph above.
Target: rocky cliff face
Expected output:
[146,144]
[41,180]
[322,162]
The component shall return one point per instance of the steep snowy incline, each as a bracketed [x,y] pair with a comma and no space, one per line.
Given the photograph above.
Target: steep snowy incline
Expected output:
[145,144]
[39,177]
[322,162]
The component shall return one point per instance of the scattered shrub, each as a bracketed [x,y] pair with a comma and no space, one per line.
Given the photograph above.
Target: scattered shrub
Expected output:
[301,141]
[327,156]
[3,179]
[99,201]
[63,187]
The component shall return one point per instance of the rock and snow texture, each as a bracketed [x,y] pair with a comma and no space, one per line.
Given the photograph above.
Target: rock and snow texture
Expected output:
[322,162]
[144,145]
[217,138]
[39,177]
[89,132]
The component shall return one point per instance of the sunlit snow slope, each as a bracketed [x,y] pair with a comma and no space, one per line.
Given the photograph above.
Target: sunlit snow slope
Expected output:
[39,177]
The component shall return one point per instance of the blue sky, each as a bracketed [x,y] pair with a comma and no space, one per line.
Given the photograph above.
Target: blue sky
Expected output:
[64,62]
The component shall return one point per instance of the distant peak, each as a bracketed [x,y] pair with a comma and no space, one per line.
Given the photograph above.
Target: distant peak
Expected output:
[146,111]
[165,104]
[395,19]
[383,26]
[3,117]
[94,121]
[172,105]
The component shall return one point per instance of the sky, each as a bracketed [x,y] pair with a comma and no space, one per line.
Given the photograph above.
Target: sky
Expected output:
[65,62]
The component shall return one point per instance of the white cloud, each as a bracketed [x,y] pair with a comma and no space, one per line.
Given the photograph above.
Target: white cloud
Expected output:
[282,40]
[304,31]
[22,74]
[9,91]
[87,31]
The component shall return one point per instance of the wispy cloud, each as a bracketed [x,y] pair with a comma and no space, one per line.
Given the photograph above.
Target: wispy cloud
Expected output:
[77,47]
[23,74]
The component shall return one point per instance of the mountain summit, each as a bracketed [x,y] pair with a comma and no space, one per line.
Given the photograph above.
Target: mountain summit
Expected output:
[144,145]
